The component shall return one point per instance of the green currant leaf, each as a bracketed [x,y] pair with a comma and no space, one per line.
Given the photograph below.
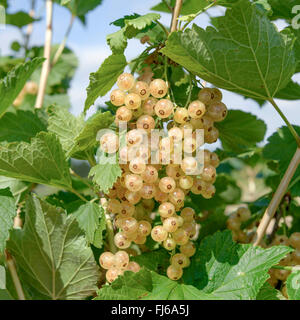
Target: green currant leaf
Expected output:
[14,82]
[233,135]
[148,285]
[279,141]
[4,294]
[188,7]
[229,270]
[20,126]
[117,41]
[41,161]
[267,292]
[293,285]
[17,187]
[19,19]
[105,175]
[76,135]
[238,55]
[283,9]
[181,93]
[80,7]
[51,254]
[103,80]
[89,217]
[290,92]
[7,214]
[157,260]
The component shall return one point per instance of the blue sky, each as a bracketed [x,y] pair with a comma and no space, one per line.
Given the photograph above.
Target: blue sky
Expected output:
[89,44]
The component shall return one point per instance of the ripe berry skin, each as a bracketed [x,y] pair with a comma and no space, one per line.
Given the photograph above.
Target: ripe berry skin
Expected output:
[166,209]
[243,214]
[107,260]
[150,175]
[133,101]
[133,182]
[121,259]
[169,244]
[129,225]
[133,266]
[196,109]
[125,81]
[180,260]
[188,249]
[158,88]
[217,111]
[167,184]
[137,166]
[188,214]
[117,97]
[180,236]
[159,234]
[176,134]
[186,182]
[189,165]
[209,191]
[109,143]
[127,209]
[181,115]
[174,272]
[216,95]
[211,136]
[170,224]
[148,191]
[145,122]
[148,106]
[205,95]
[177,196]
[209,173]
[114,206]
[163,108]
[144,228]
[123,114]
[112,274]
[121,240]
[142,89]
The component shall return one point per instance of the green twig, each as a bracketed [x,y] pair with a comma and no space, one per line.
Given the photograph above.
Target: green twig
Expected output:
[78,194]
[163,28]
[190,92]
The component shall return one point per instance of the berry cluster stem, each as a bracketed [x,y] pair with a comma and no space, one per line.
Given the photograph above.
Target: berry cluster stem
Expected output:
[47,53]
[281,190]
[176,13]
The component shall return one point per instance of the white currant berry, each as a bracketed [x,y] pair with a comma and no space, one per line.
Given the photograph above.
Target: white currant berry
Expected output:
[121,240]
[133,266]
[186,182]
[133,182]
[174,171]
[167,184]
[217,111]
[142,89]
[205,95]
[196,109]
[140,239]
[127,209]
[188,249]
[166,209]
[209,191]
[161,196]
[117,97]
[175,134]
[164,108]
[159,234]
[148,191]
[174,272]
[170,224]
[107,260]
[112,274]
[133,101]
[169,244]
[158,88]
[294,240]
[148,106]
[208,174]
[180,236]
[212,135]
[129,225]
[176,196]
[125,81]
[137,165]
[121,259]
[134,137]
[198,186]
[150,174]
[146,123]
[243,214]
[188,214]
[144,228]
[181,115]
[180,260]
[132,197]
[189,165]
[114,206]
[109,143]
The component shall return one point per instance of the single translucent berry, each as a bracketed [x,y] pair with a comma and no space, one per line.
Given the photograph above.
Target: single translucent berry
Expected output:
[186,182]
[109,143]
[188,214]
[169,244]
[164,108]
[188,249]
[176,134]
[158,88]
[209,173]
[196,109]
[132,197]
[121,259]
[133,182]
[159,234]
[174,272]
[123,114]
[129,225]
[150,174]
[144,228]
[243,214]
[137,165]
[205,95]
[180,260]
[161,196]
[214,159]
[211,136]
[140,239]
[133,266]
[217,111]
[294,240]
[146,123]
[167,184]
[134,137]
[181,115]
[148,106]
[180,236]
[107,260]
[133,101]
[125,81]
[209,191]
[121,240]
[170,224]
[174,171]
[114,206]
[142,89]
[117,97]
[189,165]
[148,191]
[127,209]
[112,274]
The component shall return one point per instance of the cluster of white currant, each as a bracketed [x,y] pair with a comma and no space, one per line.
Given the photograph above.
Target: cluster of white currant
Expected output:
[143,106]
[116,264]
[234,223]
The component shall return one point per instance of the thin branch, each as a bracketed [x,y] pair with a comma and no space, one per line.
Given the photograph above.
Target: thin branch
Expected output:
[14,275]
[175,15]
[168,6]
[281,190]
[29,27]
[47,52]
[62,46]
[78,194]
[163,28]
[291,128]
[83,180]
[109,227]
